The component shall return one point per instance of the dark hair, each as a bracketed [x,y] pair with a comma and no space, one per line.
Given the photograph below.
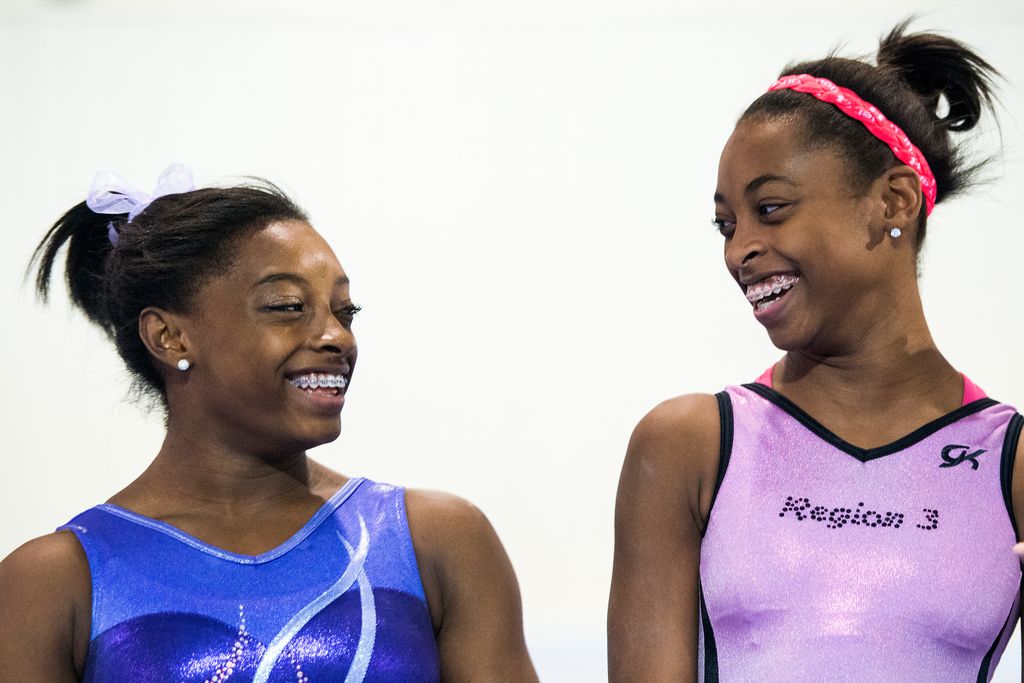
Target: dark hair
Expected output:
[915,73]
[162,257]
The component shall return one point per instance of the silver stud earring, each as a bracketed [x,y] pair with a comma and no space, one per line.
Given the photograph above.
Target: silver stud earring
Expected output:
[895,231]
[184,365]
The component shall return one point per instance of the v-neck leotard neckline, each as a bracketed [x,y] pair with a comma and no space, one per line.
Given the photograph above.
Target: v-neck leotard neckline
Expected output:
[322,513]
[972,392]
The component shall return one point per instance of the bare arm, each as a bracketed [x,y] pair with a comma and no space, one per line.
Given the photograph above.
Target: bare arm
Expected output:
[471,589]
[664,496]
[45,607]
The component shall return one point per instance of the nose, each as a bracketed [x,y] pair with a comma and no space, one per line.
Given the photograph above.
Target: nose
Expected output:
[333,336]
[745,246]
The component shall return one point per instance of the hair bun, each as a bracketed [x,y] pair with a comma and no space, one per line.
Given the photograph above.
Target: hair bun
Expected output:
[934,67]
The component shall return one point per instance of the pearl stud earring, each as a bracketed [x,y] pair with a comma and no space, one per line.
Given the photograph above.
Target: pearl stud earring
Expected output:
[895,231]
[184,365]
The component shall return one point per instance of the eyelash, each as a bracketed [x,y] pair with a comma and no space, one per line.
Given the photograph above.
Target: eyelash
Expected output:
[350,310]
[720,226]
[726,226]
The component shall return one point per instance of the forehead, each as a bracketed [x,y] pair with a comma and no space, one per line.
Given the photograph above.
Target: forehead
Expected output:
[285,247]
[774,146]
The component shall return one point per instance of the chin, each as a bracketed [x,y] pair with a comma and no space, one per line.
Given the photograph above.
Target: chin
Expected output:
[787,339]
[322,436]
[332,436]
[304,436]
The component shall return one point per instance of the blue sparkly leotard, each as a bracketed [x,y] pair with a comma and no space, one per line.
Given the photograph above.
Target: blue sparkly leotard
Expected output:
[341,600]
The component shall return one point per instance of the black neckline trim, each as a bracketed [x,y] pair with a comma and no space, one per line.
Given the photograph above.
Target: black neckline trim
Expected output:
[866,454]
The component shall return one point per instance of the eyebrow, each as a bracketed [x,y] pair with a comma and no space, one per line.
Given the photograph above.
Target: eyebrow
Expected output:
[757,182]
[293,277]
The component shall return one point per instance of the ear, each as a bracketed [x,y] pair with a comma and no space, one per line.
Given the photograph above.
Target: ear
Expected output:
[164,336]
[902,197]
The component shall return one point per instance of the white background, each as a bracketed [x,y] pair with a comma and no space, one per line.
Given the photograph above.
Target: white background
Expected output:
[521,192]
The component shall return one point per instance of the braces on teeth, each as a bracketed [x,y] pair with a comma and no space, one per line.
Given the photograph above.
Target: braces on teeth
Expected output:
[770,286]
[322,381]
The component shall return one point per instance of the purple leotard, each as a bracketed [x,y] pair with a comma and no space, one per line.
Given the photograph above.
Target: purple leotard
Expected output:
[823,561]
[341,600]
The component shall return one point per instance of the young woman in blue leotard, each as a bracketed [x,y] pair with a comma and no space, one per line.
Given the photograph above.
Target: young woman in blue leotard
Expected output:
[234,556]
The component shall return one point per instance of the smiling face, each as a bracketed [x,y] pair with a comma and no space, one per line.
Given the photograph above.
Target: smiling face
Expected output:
[807,249]
[271,344]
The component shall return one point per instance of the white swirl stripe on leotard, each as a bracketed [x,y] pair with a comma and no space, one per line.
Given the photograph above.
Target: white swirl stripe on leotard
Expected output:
[354,572]
[368,629]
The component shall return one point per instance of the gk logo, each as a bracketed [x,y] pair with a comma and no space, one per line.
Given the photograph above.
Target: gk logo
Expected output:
[954,454]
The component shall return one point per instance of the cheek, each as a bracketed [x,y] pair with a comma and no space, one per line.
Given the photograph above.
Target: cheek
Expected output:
[244,354]
[844,270]
[841,237]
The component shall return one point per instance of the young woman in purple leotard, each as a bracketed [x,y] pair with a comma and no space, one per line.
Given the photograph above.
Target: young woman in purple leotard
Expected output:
[850,515]
[234,556]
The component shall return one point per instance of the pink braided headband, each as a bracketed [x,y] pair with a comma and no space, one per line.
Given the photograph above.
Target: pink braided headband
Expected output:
[882,128]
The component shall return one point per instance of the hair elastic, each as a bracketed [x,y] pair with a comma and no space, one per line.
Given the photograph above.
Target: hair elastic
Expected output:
[882,128]
[110,193]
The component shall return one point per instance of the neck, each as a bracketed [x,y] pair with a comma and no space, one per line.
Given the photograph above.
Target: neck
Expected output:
[892,361]
[191,467]
[879,354]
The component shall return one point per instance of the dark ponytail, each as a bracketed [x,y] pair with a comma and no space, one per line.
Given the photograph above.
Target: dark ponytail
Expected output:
[916,76]
[161,259]
[937,67]
[89,246]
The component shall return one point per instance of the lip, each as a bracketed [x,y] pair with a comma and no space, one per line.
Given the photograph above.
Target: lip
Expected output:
[320,402]
[775,311]
[343,370]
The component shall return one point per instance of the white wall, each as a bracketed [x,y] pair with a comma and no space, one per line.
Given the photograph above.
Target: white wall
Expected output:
[521,192]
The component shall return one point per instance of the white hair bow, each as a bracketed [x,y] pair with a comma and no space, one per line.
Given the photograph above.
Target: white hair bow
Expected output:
[110,193]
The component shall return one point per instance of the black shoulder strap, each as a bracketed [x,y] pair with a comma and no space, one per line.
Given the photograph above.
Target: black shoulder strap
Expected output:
[724,442]
[1009,456]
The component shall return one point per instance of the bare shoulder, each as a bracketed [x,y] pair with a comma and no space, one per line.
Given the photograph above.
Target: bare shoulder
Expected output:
[675,445]
[53,561]
[691,417]
[442,522]
[45,602]
[435,503]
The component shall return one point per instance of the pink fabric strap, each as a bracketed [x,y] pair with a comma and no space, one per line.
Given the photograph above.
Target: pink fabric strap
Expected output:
[882,128]
[972,392]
